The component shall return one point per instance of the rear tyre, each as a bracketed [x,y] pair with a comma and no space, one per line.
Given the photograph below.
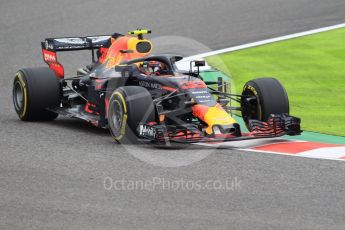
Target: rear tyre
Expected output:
[268,97]
[34,90]
[129,106]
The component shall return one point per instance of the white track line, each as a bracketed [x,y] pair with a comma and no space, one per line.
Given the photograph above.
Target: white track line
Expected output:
[264,42]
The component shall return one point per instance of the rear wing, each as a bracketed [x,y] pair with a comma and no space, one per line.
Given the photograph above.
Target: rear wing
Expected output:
[52,45]
[75,43]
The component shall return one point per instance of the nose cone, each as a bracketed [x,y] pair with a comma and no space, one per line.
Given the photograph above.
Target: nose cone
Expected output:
[214,116]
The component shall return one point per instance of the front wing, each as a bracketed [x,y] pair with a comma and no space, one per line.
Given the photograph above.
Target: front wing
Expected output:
[276,126]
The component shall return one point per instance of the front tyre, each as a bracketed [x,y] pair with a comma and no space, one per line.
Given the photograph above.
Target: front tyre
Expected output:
[34,90]
[263,97]
[129,106]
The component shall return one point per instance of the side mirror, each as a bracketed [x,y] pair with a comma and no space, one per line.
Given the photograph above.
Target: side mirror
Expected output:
[126,70]
[199,63]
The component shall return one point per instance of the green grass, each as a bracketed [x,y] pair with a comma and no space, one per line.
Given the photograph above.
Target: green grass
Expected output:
[311,68]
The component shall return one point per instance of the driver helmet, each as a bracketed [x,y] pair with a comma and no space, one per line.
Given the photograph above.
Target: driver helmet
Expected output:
[152,67]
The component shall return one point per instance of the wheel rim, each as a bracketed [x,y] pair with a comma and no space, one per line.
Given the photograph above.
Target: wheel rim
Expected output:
[252,110]
[117,115]
[18,96]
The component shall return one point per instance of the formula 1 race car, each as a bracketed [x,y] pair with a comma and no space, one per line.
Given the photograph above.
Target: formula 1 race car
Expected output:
[145,97]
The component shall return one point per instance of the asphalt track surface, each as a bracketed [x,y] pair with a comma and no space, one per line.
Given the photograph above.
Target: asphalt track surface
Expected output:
[52,174]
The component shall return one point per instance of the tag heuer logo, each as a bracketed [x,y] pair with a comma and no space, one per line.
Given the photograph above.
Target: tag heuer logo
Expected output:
[145,130]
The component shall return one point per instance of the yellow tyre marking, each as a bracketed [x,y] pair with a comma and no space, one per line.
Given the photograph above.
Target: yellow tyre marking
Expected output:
[22,83]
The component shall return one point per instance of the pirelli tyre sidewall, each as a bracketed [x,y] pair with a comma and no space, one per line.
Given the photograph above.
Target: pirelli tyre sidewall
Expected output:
[34,90]
[271,98]
[129,106]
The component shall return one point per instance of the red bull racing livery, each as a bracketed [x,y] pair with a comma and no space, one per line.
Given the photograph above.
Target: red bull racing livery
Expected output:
[144,97]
